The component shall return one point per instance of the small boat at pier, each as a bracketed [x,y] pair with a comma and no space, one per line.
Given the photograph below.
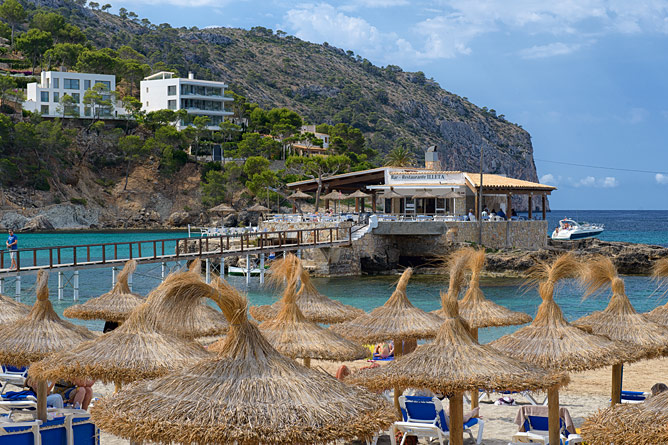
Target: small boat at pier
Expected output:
[571,230]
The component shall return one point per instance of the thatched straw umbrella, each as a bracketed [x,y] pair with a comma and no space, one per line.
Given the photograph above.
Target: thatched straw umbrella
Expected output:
[315,306]
[660,273]
[138,349]
[115,305]
[478,311]
[248,394]
[551,342]
[620,321]
[38,334]
[11,310]
[453,363]
[258,208]
[294,335]
[642,424]
[222,209]
[299,195]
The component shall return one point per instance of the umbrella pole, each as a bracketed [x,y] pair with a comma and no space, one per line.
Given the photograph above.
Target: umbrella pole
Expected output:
[307,362]
[474,394]
[553,414]
[398,351]
[616,384]
[41,400]
[457,419]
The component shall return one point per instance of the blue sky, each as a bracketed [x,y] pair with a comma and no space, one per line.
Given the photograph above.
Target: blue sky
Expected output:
[586,78]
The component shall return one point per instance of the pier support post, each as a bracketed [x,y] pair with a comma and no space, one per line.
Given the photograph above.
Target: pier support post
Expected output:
[76,285]
[18,287]
[163,271]
[130,281]
[113,275]
[2,285]
[222,266]
[299,254]
[262,268]
[248,269]
[208,271]
[61,286]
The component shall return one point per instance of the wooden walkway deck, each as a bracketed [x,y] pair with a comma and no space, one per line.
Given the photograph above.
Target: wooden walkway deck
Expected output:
[89,256]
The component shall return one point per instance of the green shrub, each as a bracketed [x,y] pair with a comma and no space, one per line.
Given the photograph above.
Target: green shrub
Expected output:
[79,201]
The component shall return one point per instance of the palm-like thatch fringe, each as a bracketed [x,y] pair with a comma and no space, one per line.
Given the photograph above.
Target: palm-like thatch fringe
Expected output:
[455,265]
[293,335]
[202,321]
[115,305]
[454,361]
[248,394]
[643,424]
[477,310]
[550,341]
[315,306]
[397,319]
[11,310]
[39,333]
[137,349]
[620,321]
[660,273]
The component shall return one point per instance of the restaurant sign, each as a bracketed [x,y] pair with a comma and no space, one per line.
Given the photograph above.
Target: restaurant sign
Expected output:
[422,177]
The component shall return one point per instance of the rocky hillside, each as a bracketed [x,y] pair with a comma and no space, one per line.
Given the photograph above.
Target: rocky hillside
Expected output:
[326,85]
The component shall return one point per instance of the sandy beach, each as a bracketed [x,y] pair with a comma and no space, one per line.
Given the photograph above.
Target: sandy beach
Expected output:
[587,392]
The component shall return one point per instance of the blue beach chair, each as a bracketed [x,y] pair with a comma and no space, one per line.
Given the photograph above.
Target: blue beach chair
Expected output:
[425,417]
[69,427]
[535,429]
[13,376]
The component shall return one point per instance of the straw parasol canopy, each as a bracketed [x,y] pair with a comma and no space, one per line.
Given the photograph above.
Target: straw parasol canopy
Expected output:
[39,333]
[294,335]
[478,311]
[388,194]
[315,306]
[115,305]
[550,341]
[359,194]
[660,273]
[620,321]
[299,195]
[453,363]
[397,319]
[334,195]
[644,423]
[424,195]
[258,208]
[222,208]
[11,310]
[139,348]
[248,394]
[452,194]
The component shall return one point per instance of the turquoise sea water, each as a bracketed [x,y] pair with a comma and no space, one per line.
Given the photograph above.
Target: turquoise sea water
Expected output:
[368,292]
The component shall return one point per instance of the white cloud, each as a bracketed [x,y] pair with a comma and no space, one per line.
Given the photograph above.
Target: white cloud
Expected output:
[591,181]
[324,23]
[661,179]
[549,50]
[549,179]
[359,4]
[637,115]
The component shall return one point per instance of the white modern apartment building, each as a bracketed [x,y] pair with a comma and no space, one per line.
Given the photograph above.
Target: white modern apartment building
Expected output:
[163,91]
[45,97]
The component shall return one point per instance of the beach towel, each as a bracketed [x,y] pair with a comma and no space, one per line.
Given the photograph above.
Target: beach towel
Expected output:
[541,411]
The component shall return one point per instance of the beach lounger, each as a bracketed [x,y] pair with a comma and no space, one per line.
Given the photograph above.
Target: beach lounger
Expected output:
[533,426]
[425,417]
[634,396]
[68,427]
[13,376]
[525,394]
[17,401]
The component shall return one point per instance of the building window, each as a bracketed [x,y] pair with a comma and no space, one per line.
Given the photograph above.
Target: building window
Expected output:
[106,84]
[87,111]
[56,82]
[86,84]
[171,91]
[56,97]
[76,97]
[44,96]
[44,109]
[171,104]
[71,84]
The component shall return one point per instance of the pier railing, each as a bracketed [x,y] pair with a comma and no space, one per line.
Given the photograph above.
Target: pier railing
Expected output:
[174,249]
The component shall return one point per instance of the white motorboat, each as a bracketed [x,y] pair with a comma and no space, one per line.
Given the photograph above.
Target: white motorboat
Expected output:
[571,230]
[242,271]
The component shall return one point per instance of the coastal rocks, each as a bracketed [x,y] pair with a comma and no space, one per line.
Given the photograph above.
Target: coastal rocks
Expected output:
[70,216]
[179,219]
[38,223]
[12,220]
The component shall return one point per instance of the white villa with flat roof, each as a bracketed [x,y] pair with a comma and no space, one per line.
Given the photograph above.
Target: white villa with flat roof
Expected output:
[45,97]
[163,91]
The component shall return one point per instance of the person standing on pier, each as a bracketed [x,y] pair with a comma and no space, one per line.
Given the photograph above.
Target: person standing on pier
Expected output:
[12,245]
